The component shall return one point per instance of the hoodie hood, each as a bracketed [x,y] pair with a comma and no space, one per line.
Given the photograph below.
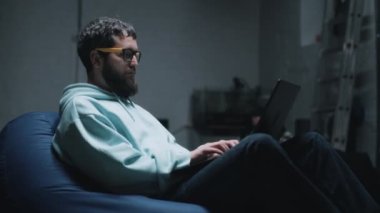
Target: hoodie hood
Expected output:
[85,89]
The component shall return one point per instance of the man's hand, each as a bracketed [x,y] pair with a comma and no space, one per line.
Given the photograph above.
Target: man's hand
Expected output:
[211,150]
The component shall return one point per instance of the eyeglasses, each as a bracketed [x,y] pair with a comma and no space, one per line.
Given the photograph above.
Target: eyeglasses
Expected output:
[127,54]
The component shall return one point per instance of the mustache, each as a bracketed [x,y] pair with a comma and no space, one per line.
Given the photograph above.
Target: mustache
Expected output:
[132,68]
[131,71]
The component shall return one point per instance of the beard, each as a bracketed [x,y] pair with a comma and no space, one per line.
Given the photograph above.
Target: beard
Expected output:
[122,84]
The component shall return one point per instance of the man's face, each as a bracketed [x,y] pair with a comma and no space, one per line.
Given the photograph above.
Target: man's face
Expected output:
[118,73]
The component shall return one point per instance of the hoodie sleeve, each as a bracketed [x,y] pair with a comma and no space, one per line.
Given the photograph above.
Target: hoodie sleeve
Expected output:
[95,148]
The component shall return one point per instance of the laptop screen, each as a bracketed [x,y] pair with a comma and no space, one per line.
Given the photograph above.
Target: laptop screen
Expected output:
[276,110]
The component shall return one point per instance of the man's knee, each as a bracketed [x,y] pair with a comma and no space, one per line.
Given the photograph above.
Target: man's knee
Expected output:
[260,140]
[316,140]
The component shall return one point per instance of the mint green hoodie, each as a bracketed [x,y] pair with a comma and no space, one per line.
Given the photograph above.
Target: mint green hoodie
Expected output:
[116,142]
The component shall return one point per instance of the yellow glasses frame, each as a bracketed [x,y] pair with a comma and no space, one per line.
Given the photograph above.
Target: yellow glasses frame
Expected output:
[110,49]
[127,57]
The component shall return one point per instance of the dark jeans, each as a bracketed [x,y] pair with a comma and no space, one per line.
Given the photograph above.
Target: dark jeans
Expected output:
[260,175]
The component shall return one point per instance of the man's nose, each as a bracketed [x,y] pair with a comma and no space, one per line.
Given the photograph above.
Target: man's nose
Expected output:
[133,61]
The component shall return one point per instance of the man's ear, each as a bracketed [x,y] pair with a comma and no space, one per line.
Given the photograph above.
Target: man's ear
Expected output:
[96,59]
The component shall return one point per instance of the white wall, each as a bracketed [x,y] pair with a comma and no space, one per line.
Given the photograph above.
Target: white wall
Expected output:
[36,54]
[367,135]
[186,44]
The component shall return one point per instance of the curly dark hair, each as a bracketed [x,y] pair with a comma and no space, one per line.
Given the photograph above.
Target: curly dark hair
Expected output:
[99,33]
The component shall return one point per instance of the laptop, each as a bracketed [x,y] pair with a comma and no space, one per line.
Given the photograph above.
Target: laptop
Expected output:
[277,108]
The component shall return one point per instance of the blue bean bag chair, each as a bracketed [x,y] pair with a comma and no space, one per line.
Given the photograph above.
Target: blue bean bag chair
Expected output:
[32,179]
